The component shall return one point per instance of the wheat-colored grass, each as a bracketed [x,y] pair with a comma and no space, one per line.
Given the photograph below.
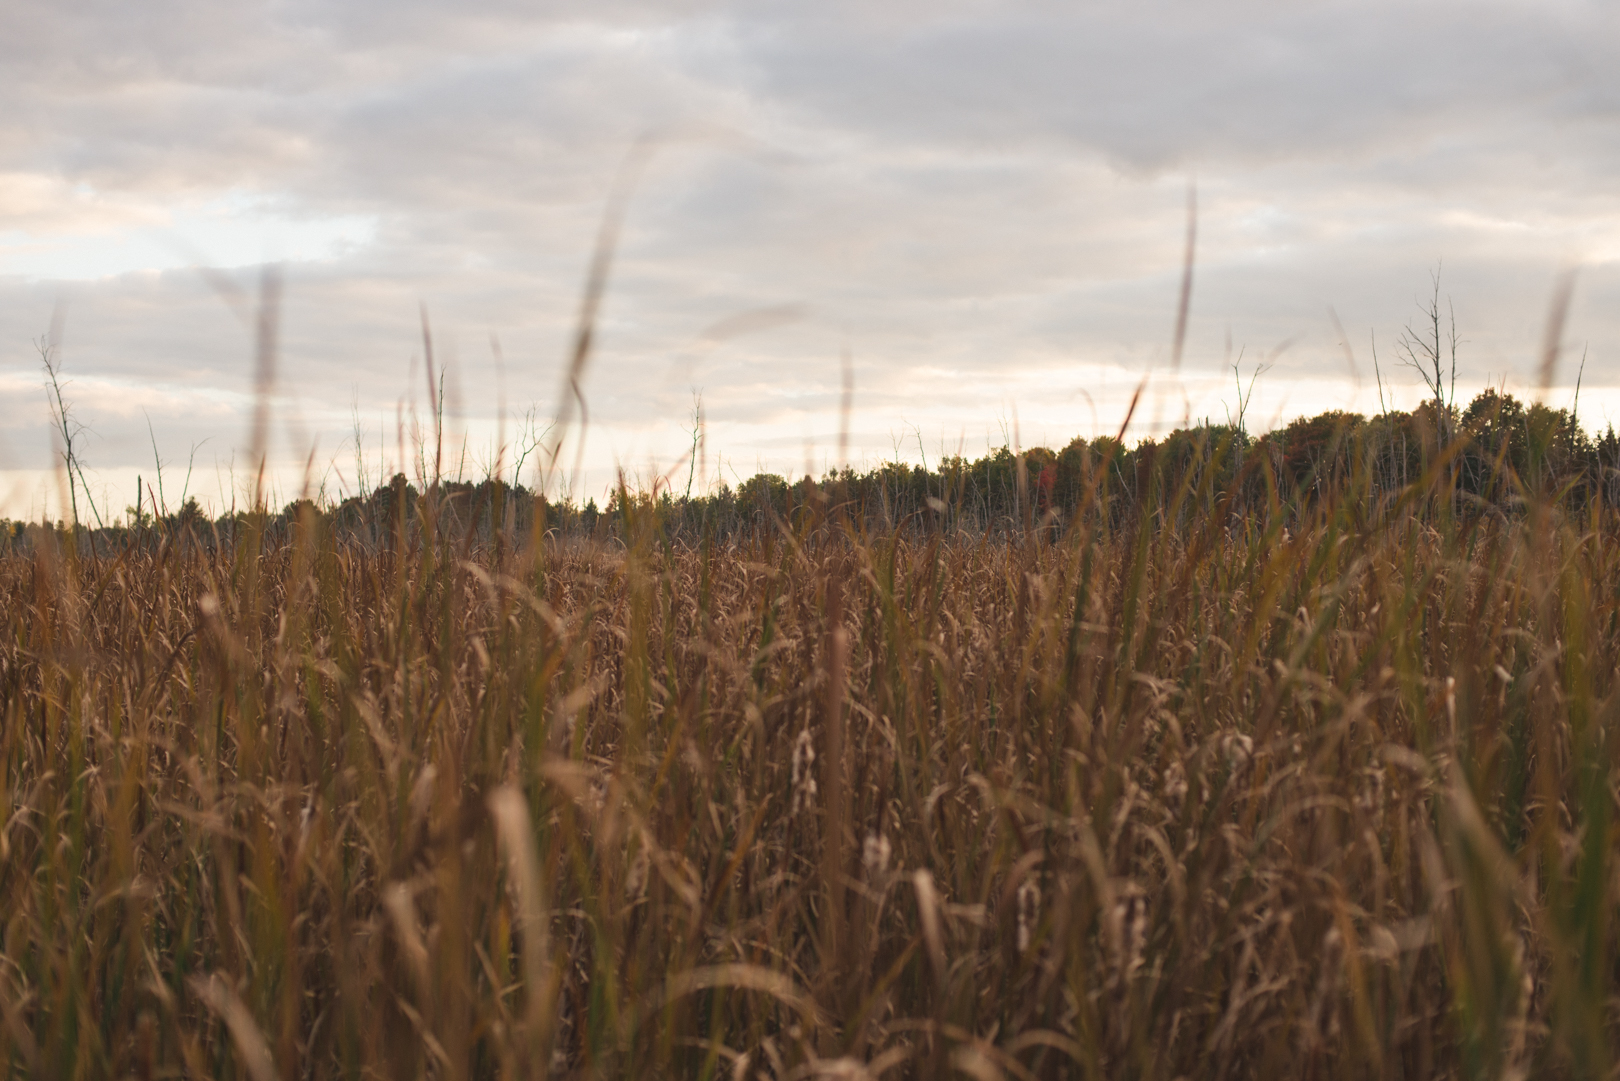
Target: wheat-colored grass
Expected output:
[1318,793]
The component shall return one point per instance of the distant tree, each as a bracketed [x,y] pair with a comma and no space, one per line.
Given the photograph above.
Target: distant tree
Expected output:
[1311,449]
[1426,349]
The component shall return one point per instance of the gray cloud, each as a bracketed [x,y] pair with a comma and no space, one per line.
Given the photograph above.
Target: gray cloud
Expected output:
[1165,84]
[969,195]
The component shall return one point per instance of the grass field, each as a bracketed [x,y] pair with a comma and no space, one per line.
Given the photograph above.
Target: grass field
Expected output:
[1317,790]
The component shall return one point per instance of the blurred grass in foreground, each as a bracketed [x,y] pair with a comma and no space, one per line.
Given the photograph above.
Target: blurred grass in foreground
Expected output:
[1321,788]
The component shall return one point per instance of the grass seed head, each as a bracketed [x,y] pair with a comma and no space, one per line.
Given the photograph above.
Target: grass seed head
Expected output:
[803,772]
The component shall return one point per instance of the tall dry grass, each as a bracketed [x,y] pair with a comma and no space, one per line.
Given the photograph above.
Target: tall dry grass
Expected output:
[1327,794]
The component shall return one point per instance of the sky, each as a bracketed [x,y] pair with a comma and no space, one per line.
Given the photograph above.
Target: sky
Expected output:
[982,206]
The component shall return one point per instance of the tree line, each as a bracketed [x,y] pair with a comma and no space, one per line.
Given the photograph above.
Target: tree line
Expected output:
[1489,457]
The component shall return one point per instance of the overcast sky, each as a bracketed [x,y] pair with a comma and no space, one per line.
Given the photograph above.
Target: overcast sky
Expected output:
[985,204]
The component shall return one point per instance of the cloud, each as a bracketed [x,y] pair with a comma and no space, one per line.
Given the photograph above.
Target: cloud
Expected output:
[984,202]
[1158,85]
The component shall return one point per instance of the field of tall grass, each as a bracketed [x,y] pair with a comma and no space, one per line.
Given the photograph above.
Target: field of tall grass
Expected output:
[1249,778]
